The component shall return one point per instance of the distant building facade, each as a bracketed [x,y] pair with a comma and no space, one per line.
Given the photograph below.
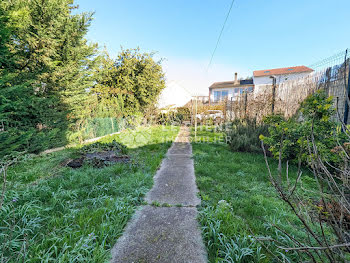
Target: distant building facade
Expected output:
[265,77]
[229,90]
[262,79]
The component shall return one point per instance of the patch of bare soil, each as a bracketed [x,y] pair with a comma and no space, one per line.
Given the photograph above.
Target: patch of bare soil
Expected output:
[100,155]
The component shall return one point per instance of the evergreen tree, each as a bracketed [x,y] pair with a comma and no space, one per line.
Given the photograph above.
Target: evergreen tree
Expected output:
[46,69]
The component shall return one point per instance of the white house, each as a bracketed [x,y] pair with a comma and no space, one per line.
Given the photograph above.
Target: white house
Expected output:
[229,90]
[173,96]
[265,77]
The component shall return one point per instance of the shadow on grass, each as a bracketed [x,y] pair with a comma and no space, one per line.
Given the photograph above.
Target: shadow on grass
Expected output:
[56,214]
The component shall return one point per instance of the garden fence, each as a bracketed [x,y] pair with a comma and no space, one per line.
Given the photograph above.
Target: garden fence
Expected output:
[331,75]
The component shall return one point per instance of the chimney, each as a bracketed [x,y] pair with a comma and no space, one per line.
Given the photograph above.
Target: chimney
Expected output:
[236,78]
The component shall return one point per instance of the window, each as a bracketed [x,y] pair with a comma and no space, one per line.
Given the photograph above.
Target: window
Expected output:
[267,71]
[220,95]
[236,90]
[245,90]
[290,69]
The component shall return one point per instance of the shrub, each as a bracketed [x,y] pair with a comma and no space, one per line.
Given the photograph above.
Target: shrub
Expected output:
[293,137]
[15,142]
[283,135]
[183,114]
[168,118]
[243,135]
[323,212]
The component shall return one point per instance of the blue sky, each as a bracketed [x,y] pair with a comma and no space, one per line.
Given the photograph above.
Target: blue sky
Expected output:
[259,34]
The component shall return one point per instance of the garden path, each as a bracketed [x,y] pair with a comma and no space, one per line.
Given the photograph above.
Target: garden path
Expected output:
[166,230]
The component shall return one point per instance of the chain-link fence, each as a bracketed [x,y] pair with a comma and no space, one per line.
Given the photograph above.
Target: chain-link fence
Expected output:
[331,75]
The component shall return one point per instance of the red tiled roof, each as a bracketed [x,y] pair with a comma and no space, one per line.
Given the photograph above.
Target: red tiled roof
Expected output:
[281,71]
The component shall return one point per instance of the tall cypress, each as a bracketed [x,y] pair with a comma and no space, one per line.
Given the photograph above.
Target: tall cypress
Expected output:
[43,92]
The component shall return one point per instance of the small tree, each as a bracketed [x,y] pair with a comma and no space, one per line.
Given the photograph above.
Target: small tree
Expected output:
[131,83]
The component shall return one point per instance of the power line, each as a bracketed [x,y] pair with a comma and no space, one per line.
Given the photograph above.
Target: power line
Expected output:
[222,30]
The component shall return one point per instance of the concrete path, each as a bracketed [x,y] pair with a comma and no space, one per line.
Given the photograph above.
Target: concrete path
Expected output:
[167,233]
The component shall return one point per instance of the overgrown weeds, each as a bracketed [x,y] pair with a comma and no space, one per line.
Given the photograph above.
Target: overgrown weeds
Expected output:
[239,205]
[244,135]
[76,215]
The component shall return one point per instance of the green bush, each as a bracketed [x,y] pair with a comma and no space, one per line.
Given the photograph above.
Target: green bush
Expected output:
[183,114]
[15,141]
[243,135]
[168,118]
[314,122]
[283,134]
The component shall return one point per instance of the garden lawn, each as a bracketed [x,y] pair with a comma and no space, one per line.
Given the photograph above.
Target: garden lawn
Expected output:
[53,213]
[239,203]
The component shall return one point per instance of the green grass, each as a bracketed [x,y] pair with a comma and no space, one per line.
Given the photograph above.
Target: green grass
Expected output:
[58,214]
[239,203]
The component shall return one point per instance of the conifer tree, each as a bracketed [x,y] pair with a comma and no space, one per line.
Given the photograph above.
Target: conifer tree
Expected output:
[43,92]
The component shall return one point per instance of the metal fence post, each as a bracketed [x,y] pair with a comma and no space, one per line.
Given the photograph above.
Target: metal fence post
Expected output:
[195,122]
[231,116]
[245,104]
[273,94]
[347,98]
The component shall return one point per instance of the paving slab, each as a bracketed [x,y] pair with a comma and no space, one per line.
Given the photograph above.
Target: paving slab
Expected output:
[174,183]
[166,234]
[161,235]
[180,148]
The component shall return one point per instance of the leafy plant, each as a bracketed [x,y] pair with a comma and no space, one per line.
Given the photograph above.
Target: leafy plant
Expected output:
[292,138]
[281,128]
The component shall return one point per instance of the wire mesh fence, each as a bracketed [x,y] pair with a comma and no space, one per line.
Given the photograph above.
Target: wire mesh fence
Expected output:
[102,126]
[330,75]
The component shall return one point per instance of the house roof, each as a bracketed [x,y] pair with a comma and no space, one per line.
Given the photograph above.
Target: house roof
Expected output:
[282,71]
[230,84]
